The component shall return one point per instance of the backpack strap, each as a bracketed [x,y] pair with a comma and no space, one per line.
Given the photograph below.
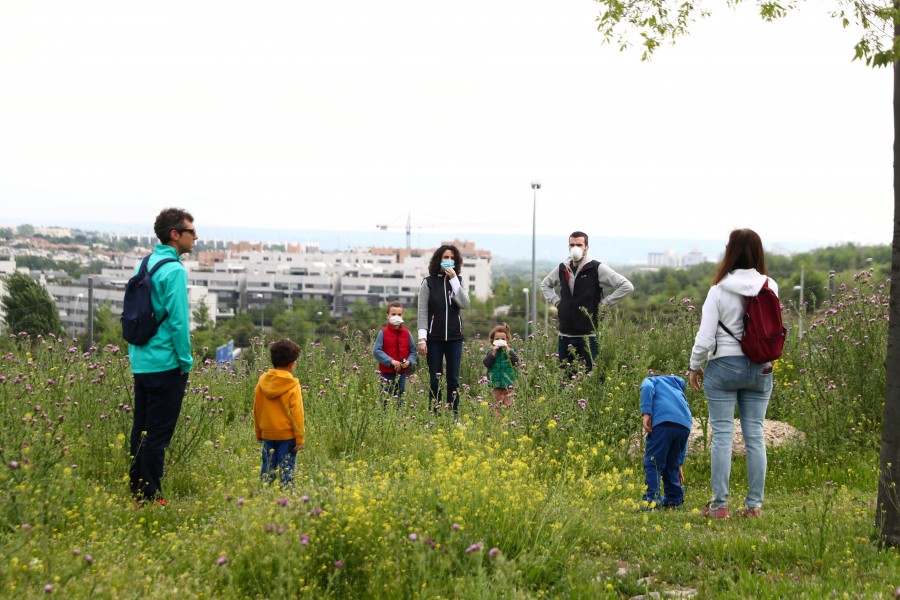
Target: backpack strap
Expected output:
[765,285]
[153,270]
[143,267]
[157,265]
[728,331]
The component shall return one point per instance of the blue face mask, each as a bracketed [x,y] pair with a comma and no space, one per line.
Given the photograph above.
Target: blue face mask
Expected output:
[447,264]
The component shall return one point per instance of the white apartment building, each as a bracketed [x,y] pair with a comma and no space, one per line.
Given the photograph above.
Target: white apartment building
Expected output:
[231,281]
[669,258]
[72,301]
[254,277]
[693,258]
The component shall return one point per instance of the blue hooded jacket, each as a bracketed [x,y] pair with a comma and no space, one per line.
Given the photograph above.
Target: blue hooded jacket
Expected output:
[662,397]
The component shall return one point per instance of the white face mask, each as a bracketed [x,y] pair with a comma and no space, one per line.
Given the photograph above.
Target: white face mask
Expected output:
[576,252]
[395,320]
[500,343]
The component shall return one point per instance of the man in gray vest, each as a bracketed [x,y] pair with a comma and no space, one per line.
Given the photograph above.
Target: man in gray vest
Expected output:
[584,285]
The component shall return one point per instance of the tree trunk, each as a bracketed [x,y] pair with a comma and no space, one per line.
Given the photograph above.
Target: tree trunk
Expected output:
[887,511]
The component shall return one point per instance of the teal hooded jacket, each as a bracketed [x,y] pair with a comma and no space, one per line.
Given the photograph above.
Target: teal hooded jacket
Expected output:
[170,348]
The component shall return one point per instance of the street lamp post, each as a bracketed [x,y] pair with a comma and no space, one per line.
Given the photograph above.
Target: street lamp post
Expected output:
[262,312]
[316,322]
[525,291]
[799,288]
[90,319]
[535,185]
[77,311]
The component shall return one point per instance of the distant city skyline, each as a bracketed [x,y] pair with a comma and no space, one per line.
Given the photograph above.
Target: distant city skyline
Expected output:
[503,246]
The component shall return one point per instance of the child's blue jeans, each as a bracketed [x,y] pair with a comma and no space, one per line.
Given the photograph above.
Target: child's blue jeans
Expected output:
[665,446]
[278,455]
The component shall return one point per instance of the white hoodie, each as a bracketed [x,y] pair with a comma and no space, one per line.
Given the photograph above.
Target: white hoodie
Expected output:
[725,302]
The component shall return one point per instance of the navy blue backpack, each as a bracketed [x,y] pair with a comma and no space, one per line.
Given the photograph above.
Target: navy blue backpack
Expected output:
[139,322]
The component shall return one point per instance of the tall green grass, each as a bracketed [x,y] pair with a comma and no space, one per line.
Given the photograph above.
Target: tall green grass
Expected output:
[397,502]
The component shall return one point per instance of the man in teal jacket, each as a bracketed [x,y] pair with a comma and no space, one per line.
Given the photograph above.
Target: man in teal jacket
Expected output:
[161,366]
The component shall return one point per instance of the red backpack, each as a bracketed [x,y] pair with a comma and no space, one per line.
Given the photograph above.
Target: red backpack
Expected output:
[764,333]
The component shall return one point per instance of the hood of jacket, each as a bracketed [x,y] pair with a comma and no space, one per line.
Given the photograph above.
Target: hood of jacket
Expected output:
[673,381]
[275,382]
[745,282]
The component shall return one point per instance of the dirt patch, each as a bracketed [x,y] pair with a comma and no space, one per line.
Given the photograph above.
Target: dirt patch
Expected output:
[776,433]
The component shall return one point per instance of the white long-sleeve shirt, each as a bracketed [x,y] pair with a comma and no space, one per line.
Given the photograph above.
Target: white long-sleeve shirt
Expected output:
[725,303]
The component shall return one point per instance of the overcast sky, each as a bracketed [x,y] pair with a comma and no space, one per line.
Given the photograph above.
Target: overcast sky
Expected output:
[317,114]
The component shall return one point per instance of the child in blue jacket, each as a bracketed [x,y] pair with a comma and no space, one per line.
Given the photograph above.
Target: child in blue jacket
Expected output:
[667,420]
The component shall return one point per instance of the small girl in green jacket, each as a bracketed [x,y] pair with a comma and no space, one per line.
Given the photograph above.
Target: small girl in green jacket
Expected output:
[501,361]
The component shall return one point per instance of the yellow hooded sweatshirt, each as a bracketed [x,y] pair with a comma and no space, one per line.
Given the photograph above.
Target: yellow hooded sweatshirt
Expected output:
[278,407]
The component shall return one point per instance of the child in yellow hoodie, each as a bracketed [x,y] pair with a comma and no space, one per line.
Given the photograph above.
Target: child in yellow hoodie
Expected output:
[278,413]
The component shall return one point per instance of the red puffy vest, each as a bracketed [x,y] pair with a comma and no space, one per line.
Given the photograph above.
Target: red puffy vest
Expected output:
[396,345]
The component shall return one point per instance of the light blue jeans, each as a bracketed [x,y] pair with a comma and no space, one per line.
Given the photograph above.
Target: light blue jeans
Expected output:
[731,380]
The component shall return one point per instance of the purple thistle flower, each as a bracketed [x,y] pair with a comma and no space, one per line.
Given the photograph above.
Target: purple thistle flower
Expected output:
[89,559]
[282,501]
[304,539]
[48,588]
[493,552]
[473,548]
[222,560]
[413,537]
[339,564]
[26,527]
[455,527]
[240,501]
[304,498]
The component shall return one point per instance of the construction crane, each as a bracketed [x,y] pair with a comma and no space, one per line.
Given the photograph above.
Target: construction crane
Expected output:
[408,230]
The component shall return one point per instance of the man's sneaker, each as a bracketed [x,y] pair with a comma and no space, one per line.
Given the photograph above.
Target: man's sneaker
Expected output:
[671,505]
[752,511]
[715,513]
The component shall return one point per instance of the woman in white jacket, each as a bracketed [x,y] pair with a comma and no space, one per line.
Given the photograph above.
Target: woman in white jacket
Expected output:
[732,378]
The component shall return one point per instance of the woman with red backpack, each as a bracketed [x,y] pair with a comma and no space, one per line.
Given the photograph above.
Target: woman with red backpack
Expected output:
[732,377]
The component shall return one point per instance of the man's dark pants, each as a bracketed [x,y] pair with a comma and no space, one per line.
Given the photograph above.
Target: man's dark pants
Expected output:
[157,405]
[584,348]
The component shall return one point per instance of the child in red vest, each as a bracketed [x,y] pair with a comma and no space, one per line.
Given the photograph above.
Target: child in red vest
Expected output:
[395,351]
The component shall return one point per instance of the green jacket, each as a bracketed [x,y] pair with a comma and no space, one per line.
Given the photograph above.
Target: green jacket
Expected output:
[501,369]
[170,348]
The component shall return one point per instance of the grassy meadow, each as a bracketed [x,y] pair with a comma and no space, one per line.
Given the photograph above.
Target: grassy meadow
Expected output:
[397,503]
